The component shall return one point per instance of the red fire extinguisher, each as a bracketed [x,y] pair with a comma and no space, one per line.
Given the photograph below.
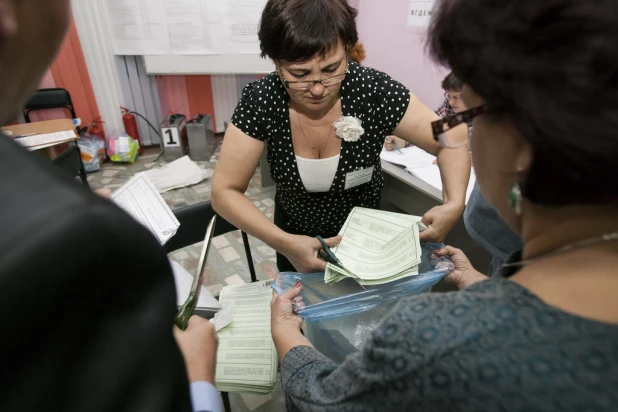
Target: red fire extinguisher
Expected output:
[95,128]
[130,126]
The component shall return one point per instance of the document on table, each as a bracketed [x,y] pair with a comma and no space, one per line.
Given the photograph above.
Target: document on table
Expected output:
[246,356]
[377,247]
[140,199]
[183,281]
[410,157]
[43,140]
[420,164]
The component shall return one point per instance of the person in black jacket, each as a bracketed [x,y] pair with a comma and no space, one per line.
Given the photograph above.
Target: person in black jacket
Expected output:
[86,294]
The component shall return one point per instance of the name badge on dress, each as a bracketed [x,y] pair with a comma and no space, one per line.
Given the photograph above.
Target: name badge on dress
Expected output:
[359,177]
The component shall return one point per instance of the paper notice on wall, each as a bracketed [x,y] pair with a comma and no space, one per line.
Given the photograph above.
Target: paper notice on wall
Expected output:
[156,27]
[190,26]
[137,27]
[240,21]
[419,14]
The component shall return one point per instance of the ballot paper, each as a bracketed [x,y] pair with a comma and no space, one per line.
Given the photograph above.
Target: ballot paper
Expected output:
[180,173]
[409,157]
[43,140]
[246,356]
[421,164]
[140,199]
[183,281]
[377,247]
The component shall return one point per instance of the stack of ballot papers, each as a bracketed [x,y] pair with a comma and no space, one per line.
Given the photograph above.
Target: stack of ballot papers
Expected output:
[421,164]
[140,199]
[247,357]
[377,247]
[180,173]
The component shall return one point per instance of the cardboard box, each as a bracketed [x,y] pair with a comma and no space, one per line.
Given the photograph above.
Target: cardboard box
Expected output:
[43,136]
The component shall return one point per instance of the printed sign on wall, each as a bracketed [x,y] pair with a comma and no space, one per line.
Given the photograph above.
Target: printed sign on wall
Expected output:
[420,13]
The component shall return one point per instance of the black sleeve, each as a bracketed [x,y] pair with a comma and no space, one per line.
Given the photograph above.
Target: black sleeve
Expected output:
[393,100]
[249,116]
[87,307]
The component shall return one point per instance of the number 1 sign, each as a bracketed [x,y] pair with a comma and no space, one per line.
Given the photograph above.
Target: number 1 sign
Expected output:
[170,137]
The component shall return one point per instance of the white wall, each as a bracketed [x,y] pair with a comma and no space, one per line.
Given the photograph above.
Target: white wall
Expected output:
[398,50]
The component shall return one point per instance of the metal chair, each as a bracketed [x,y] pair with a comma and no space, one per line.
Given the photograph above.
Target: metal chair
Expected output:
[45,99]
[193,222]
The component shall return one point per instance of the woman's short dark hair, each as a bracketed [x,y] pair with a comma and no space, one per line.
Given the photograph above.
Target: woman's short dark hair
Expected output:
[452,82]
[297,30]
[550,69]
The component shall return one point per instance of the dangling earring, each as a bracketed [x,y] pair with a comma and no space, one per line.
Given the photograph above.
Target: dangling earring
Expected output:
[515,198]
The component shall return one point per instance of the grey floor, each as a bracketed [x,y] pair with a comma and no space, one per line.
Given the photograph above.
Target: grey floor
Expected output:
[226,261]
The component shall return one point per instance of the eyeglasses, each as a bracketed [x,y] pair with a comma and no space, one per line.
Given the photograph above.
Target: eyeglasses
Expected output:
[308,84]
[445,132]
[450,97]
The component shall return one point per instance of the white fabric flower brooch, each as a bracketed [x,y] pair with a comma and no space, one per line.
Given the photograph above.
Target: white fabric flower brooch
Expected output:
[349,128]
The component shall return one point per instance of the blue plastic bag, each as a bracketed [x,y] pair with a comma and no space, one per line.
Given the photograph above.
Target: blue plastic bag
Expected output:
[340,316]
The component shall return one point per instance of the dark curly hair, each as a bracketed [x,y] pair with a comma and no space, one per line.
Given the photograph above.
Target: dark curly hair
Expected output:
[549,68]
[297,30]
[452,82]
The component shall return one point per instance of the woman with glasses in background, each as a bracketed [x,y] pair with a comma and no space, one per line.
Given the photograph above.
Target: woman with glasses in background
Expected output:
[541,82]
[324,118]
[452,104]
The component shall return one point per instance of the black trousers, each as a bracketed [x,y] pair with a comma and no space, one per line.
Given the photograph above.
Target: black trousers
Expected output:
[283,222]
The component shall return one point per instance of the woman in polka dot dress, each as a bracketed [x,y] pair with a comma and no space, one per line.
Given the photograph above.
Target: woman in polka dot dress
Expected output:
[322,171]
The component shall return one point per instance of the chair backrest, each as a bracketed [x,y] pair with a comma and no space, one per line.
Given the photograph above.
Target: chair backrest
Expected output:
[193,222]
[44,99]
[71,162]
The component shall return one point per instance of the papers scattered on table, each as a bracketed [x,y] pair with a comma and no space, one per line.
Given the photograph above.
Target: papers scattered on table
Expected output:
[247,358]
[180,173]
[43,140]
[140,199]
[183,281]
[420,164]
[377,247]
[410,157]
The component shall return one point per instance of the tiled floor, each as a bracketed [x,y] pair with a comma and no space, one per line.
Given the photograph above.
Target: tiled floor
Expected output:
[227,264]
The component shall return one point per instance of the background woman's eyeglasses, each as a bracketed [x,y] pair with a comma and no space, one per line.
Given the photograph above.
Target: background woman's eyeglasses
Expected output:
[446,132]
[308,84]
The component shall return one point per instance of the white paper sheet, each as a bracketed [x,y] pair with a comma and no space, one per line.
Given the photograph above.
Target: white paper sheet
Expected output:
[431,175]
[167,27]
[180,173]
[420,163]
[183,281]
[41,141]
[410,157]
[140,199]
[222,318]
[137,27]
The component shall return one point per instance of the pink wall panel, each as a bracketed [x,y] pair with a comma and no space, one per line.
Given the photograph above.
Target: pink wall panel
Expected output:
[69,71]
[199,95]
[173,95]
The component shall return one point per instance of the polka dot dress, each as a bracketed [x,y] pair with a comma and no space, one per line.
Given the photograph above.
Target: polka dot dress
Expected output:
[367,94]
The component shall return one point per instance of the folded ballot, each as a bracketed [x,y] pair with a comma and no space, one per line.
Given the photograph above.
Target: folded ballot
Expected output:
[247,357]
[377,247]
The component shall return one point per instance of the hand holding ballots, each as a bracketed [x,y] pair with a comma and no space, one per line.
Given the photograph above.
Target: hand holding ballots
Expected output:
[377,247]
